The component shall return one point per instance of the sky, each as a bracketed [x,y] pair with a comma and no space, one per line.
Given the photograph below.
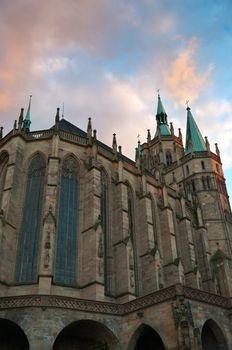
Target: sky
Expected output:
[106,59]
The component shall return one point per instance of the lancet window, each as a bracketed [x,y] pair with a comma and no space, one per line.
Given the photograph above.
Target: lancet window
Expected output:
[66,243]
[29,235]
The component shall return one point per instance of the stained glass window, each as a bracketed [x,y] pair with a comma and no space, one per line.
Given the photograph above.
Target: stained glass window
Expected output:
[29,235]
[66,244]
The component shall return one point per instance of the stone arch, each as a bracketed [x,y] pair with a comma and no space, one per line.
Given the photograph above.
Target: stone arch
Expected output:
[146,338]
[12,337]
[212,336]
[88,335]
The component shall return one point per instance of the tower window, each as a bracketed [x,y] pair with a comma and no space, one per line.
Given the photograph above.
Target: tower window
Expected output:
[217,168]
[168,158]
[187,169]
[202,165]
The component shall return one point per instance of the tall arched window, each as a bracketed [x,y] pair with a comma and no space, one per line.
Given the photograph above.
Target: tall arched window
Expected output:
[28,243]
[66,243]
[4,157]
[104,224]
[132,257]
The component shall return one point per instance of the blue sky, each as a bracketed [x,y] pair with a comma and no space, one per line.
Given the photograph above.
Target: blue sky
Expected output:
[107,58]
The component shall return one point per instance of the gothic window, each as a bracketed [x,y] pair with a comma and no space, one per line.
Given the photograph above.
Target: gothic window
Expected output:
[133,275]
[187,169]
[130,213]
[66,244]
[217,168]
[168,158]
[202,165]
[203,182]
[193,185]
[208,182]
[4,157]
[104,224]
[29,236]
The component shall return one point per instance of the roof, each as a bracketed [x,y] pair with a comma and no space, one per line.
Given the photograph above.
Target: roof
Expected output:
[64,125]
[194,139]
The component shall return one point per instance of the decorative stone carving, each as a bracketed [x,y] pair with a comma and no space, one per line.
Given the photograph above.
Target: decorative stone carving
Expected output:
[47,248]
[183,319]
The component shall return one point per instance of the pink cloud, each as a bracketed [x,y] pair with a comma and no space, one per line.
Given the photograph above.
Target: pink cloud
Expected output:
[182,78]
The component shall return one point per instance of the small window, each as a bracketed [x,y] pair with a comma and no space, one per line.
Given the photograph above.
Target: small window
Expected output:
[187,169]
[168,158]
[202,165]
[217,168]
[193,185]
[208,182]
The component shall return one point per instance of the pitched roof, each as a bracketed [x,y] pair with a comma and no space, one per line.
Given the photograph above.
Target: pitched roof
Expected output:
[194,139]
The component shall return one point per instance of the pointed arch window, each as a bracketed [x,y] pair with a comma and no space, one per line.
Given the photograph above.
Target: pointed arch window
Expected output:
[4,157]
[104,224]
[132,265]
[66,244]
[29,236]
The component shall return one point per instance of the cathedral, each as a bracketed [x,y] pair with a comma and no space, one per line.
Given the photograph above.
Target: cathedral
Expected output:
[101,252]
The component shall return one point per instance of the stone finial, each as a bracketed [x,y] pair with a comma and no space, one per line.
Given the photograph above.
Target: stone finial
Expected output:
[15,125]
[57,115]
[89,129]
[114,143]
[148,136]
[171,128]
[95,134]
[180,134]
[1,132]
[20,120]
[217,150]
[120,149]
[207,143]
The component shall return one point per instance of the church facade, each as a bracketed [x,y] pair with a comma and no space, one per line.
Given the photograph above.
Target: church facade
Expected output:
[100,252]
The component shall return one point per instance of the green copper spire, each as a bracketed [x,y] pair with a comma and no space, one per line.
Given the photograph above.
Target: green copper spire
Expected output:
[27,120]
[194,139]
[161,117]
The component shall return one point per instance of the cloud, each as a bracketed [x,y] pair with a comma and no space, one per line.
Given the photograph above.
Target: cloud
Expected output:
[182,79]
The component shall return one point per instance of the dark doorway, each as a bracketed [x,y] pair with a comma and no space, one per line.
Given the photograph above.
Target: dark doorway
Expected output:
[212,337]
[85,335]
[149,339]
[12,336]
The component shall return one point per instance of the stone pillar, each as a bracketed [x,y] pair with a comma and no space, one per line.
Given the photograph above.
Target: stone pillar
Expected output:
[91,270]
[171,260]
[48,238]
[123,246]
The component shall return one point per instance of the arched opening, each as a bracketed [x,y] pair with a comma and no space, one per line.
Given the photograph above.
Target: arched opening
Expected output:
[86,335]
[212,337]
[146,338]
[12,336]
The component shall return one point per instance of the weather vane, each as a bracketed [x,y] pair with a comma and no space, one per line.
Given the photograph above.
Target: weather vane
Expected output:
[158,91]
[138,137]
[187,103]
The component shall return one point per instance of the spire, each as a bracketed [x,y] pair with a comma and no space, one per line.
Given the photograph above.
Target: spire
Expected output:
[27,121]
[162,121]
[194,139]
